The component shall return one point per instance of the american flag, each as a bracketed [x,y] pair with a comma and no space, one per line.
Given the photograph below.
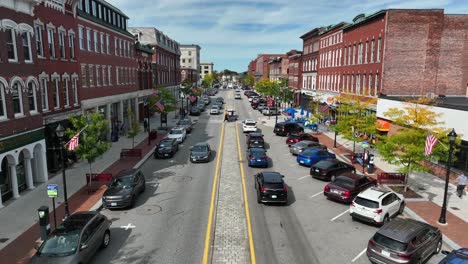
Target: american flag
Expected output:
[73,143]
[160,106]
[430,143]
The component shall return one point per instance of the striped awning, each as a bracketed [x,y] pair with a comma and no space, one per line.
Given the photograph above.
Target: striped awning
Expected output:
[383,125]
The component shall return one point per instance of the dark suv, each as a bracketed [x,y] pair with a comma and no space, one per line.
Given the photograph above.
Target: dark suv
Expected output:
[123,190]
[255,140]
[404,241]
[284,128]
[271,188]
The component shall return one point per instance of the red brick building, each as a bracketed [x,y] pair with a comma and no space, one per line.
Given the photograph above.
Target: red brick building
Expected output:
[262,65]
[22,145]
[189,73]
[310,53]
[143,55]
[295,72]
[278,67]
[252,67]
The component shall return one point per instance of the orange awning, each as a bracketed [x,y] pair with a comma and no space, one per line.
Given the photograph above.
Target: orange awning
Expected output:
[383,125]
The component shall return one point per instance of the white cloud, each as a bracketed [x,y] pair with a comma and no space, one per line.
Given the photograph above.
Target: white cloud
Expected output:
[221,27]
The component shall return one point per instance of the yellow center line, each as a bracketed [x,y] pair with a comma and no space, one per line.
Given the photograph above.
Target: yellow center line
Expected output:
[206,250]
[246,201]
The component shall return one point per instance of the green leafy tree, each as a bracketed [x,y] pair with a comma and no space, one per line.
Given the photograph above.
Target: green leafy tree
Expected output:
[266,87]
[92,143]
[134,127]
[248,80]
[208,80]
[406,146]
[166,98]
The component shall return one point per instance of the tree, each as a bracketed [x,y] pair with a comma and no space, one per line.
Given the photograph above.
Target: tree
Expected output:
[248,80]
[134,127]
[208,80]
[406,147]
[92,143]
[165,98]
[265,86]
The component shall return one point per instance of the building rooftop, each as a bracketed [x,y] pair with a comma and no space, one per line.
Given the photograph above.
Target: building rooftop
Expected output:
[363,18]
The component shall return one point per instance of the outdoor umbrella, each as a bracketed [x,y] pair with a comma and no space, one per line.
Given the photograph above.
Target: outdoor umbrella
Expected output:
[290,111]
[302,110]
[293,114]
[307,113]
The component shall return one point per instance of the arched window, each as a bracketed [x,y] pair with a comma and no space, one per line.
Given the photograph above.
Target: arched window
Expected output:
[17,98]
[32,97]
[2,101]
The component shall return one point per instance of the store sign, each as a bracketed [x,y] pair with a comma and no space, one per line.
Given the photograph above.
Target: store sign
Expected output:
[18,141]
[52,190]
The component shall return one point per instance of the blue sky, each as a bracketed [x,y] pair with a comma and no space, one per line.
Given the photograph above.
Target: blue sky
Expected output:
[232,33]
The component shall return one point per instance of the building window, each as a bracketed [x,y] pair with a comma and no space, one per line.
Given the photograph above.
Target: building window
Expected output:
[84,79]
[372,51]
[93,8]
[116,47]
[55,93]
[98,75]
[71,45]
[32,97]
[360,54]
[91,75]
[50,39]
[26,37]
[352,84]
[100,11]
[364,84]
[61,36]
[39,45]
[121,48]
[104,14]
[104,75]
[45,102]
[379,49]
[376,87]
[88,39]
[2,101]
[75,90]
[102,42]
[109,74]
[370,85]
[11,45]
[87,6]
[96,41]
[108,44]
[117,80]
[17,99]
[81,38]
[366,51]
[66,94]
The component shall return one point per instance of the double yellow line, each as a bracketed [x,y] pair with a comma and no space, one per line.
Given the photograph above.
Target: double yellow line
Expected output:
[206,250]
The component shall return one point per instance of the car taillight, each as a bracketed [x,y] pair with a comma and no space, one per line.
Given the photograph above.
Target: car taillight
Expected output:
[371,243]
[265,158]
[262,189]
[326,188]
[282,129]
[404,256]
[285,188]
[252,158]
[378,211]
[347,194]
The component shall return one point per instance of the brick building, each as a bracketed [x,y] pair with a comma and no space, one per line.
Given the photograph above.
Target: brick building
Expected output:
[22,144]
[295,73]
[310,53]
[252,67]
[262,65]
[143,55]
[276,68]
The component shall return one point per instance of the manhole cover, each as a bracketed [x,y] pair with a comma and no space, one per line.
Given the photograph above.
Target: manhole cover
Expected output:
[455,208]
[182,179]
[163,174]
[148,209]
[3,240]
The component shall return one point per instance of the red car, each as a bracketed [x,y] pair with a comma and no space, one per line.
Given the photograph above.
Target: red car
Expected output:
[347,186]
[294,138]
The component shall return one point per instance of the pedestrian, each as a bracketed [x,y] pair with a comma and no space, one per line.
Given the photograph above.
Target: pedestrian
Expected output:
[145,124]
[461,181]
[226,117]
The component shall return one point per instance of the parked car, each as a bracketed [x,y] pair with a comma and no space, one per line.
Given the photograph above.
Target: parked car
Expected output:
[219,104]
[459,256]
[271,188]
[220,99]
[249,125]
[178,133]
[377,205]
[311,156]
[257,157]
[201,105]
[300,146]
[186,123]
[261,106]
[293,138]
[200,152]
[76,240]
[347,186]
[285,128]
[255,140]
[404,241]
[166,148]
[237,96]
[269,111]
[214,110]
[256,104]
[328,169]
[194,111]
[206,100]
[124,189]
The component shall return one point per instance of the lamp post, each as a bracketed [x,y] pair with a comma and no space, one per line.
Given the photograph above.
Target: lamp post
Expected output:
[60,131]
[148,118]
[452,136]
[334,142]
[277,109]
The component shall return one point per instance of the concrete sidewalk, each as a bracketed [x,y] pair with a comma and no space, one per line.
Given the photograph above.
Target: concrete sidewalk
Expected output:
[426,185]
[20,215]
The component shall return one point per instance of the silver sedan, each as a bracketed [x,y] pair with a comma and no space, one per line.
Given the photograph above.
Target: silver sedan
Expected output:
[300,146]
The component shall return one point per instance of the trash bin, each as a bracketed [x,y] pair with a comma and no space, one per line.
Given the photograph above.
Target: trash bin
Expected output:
[153,134]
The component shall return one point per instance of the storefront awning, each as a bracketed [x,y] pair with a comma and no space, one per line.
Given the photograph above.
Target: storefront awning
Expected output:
[383,125]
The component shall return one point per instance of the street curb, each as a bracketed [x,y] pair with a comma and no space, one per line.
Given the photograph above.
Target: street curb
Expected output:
[450,243]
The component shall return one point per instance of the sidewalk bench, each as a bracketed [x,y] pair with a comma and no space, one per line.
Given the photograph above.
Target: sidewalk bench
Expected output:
[130,153]
[94,180]
[393,179]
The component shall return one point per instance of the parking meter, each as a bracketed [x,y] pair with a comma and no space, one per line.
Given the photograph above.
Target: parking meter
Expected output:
[44,224]
[370,168]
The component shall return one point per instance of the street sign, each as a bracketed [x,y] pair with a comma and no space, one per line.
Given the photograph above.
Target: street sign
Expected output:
[52,190]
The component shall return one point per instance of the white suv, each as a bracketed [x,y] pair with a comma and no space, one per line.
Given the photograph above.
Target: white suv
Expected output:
[214,110]
[377,205]
[249,125]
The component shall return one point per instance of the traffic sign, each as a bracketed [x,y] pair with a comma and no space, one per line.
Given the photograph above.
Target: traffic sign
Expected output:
[52,190]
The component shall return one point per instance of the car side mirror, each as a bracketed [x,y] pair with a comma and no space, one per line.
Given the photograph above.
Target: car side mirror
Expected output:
[83,247]
[36,247]
[445,252]
[282,176]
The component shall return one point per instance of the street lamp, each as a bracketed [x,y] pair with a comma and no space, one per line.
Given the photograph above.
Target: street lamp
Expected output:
[60,132]
[148,118]
[277,109]
[452,136]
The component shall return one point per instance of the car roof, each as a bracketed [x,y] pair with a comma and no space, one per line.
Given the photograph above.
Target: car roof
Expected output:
[403,230]
[249,121]
[330,160]
[272,176]
[202,144]
[167,139]
[126,172]
[77,221]
[255,134]
[257,150]
[351,175]
[374,193]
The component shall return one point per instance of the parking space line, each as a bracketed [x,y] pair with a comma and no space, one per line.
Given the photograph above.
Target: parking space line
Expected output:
[359,255]
[336,217]
[312,196]
[293,165]
[303,177]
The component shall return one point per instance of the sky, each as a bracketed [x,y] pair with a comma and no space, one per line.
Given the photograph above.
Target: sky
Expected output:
[232,33]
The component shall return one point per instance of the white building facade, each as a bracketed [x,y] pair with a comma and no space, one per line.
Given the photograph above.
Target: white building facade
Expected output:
[205,69]
[190,58]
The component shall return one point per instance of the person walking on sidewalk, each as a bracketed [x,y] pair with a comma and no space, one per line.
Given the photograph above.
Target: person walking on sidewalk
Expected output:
[145,124]
[461,181]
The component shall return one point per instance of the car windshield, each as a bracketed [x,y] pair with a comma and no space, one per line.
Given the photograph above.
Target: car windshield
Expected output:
[199,149]
[324,164]
[257,154]
[60,244]
[389,243]
[273,186]
[366,202]
[184,122]
[175,132]
[249,123]
[123,182]
[293,136]
[309,152]
[344,182]
[214,107]
[165,144]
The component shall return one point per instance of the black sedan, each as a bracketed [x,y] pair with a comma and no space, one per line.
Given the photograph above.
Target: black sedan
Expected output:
[123,190]
[166,148]
[200,152]
[186,123]
[271,188]
[194,111]
[328,169]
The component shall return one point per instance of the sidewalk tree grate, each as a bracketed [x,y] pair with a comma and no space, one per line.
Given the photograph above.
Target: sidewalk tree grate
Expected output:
[148,209]
[3,240]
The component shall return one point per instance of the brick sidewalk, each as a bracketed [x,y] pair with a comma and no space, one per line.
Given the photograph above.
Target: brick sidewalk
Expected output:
[22,248]
[427,210]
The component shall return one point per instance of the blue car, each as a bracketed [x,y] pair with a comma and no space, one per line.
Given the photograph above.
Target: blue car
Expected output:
[459,256]
[311,156]
[257,157]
